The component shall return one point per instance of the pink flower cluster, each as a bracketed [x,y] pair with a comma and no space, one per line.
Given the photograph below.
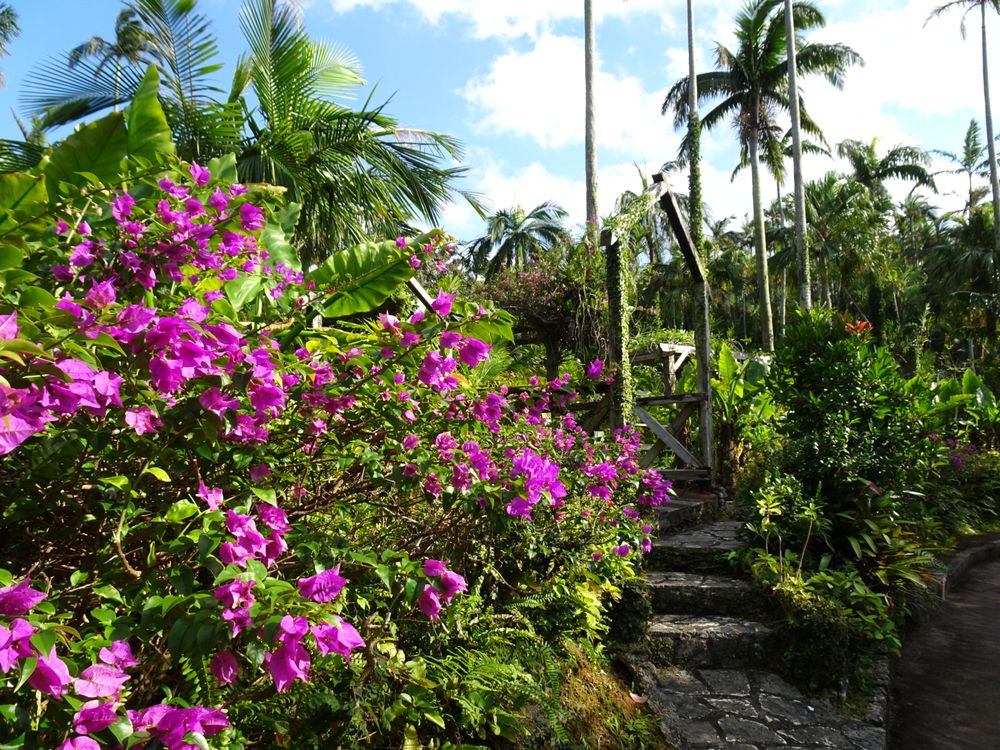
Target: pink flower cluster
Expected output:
[101,682]
[448,583]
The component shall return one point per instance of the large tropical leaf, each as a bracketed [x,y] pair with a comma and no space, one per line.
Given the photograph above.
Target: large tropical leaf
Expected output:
[96,149]
[148,131]
[362,277]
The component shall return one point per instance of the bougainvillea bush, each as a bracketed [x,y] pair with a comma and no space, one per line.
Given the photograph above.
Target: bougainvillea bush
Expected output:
[244,507]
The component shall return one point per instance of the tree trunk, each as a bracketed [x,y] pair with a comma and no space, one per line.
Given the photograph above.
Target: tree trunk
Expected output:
[622,398]
[801,250]
[695,212]
[991,144]
[593,228]
[760,244]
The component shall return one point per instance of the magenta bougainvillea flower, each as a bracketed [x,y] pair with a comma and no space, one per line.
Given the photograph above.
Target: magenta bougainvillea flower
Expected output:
[95,716]
[99,681]
[430,602]
[442,303]
[118,654]
[51,675]
[8,327]
[19,599]
[338,637]
[170,724]
[225,668]
[322,587]
[80,743]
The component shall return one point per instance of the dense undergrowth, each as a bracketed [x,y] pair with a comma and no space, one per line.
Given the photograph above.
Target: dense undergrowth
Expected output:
[855,481]
[252,504]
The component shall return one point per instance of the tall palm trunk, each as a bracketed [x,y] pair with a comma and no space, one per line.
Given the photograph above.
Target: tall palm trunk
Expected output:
[695,212]
[991,144]
[801,251]
[590,136]
[760,244]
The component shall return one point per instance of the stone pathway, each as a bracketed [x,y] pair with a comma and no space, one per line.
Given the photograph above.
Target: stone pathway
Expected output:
[704,663]
[946,685]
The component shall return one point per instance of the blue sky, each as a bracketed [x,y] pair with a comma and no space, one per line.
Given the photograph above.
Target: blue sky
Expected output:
[506,77]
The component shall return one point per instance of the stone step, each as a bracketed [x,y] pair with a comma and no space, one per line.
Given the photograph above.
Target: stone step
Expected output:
[687,509]
[701,550]
[711,642]
[698,593]
[706,709]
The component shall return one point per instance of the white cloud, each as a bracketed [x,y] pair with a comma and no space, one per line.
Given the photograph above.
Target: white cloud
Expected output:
[509,19]
[513,98]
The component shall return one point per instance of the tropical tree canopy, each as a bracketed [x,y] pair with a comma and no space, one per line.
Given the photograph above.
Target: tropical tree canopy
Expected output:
[751,83]
[356,172]
[513,236]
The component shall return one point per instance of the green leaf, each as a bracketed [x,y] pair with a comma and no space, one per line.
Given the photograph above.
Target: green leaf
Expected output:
[386,575]
[434,717]
[223,168]
[119,482]
[22,193]
[109,592]
[197,738]
[98,148]
[362,277]
[103,615]
[122,729]
[157,472]
[148,132]
[27,667]
[266,494]
[274,237]
[970,382]
[33,296]
[180,510]
[77,577]
[243,288]
[411,741]
[727,364]
[413,589]
[10,257]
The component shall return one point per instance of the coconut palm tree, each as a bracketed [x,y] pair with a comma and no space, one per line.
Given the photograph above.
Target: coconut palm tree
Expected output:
[871,170]
[801,253]
[356,173]
[132,45]
[994,5]
[513,236]
[9,30]
[751,82]
[590,125]
[973,161]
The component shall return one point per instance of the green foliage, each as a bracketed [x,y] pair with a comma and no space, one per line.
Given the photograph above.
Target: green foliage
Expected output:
[843,524]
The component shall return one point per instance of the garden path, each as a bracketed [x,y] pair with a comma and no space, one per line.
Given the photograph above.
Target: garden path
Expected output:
[704,665]
[946,685]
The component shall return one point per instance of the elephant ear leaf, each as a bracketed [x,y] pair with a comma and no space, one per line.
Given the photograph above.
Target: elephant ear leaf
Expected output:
[94,151]
[362,277]
[148,132]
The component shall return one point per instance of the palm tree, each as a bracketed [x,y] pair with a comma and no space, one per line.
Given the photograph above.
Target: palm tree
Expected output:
[513,237]
[752,85]
[973,161]
[356,173]
[801,253]
[132,45]
[990,142]
[871,170]
[590,129]
[9,29]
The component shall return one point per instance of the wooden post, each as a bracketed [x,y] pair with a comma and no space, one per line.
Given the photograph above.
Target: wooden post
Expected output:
[618,333]
[702,335]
